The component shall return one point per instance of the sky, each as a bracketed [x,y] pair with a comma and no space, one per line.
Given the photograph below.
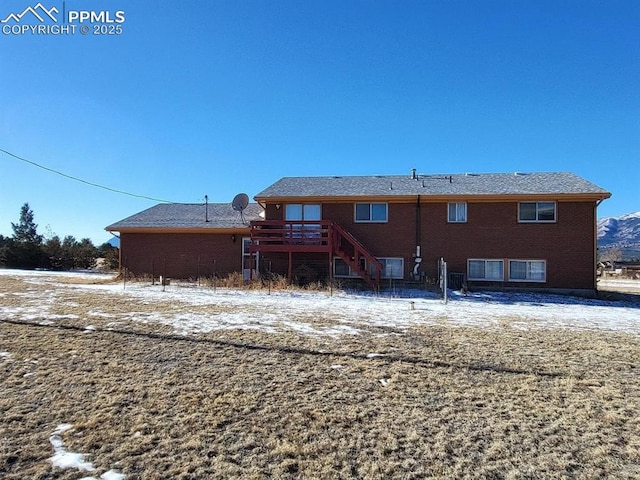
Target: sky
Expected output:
[221,97]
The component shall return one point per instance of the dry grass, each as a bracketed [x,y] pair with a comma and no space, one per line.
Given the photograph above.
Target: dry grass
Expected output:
[442,402]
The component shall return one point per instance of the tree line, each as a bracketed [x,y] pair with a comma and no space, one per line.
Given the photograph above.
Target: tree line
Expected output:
[30,250]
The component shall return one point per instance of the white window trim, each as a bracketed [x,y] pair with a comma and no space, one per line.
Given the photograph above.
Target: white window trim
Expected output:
[527,280]
[466,212]
[368,268]
[355,219]
[302,205]
[555,213]
[401,277]
[501,279]
[335,275]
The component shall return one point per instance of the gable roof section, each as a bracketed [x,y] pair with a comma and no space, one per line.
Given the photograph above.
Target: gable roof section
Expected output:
[456,185]
[189,216]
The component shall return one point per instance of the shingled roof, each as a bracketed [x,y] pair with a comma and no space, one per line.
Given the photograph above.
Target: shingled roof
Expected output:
[558,183]
[190,216]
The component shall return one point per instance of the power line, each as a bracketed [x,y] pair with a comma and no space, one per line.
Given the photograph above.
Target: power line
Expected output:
[122,192]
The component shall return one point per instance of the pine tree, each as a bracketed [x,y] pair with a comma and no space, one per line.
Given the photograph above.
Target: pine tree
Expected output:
[26,231]
[25,249]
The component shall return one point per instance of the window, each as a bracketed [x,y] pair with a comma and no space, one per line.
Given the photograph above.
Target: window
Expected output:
[391,268]
[489,270]
[527,271]
[537,212]
[303,212]
[458,212]
[296,211]
[371,212]
[342,268]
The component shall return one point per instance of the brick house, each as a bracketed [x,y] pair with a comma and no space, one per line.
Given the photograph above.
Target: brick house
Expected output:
[522,230]
[187,240]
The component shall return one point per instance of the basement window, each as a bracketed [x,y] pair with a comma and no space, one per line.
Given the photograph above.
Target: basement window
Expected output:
[341,269]
[391,268]
[371,212]
[527,271]
[485,270]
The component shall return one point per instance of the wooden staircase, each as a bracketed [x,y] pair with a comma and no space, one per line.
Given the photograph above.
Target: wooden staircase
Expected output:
[354,254]
[316,236]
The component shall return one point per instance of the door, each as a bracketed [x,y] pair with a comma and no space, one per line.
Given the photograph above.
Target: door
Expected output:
[247,261]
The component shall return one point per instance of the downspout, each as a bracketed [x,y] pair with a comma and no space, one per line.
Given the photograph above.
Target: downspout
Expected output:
[418,254]
[418,218]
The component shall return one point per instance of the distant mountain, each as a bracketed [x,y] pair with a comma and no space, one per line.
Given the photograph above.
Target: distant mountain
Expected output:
[621,232]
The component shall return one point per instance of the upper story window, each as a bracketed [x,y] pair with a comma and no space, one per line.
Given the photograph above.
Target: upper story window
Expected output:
[298,211]
[537,212]
[371,212]
[457,212]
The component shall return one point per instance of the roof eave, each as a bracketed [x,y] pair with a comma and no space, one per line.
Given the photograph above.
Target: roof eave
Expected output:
[426,197]
[199,230]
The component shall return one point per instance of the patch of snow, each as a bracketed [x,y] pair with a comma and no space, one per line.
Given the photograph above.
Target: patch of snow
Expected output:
[321,314]
[63,458]
[374,355]
[5,355]
[384,381]
[337,367]
[112,475]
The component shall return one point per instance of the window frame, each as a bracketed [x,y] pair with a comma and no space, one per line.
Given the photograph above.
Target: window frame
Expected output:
[457,205]
[528,270]
[537,207]
[485,279]
[303,207]
[383,274]
[368,267]
[371,204]
[336,275]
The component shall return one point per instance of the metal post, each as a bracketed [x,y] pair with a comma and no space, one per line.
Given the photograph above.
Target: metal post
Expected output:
[330,274]
[164,273]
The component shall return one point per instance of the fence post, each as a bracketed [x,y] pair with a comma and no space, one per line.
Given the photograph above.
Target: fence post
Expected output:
[164,272]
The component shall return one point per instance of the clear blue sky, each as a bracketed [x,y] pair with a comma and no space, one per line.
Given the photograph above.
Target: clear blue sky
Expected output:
[221,97]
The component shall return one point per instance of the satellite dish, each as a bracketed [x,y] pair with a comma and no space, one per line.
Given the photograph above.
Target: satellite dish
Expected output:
[240,202]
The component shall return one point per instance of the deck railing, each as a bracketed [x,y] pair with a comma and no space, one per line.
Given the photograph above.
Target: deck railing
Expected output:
[284,236]
[315,236]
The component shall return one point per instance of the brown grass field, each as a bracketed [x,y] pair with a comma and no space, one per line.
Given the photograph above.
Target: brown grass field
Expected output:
[443,402]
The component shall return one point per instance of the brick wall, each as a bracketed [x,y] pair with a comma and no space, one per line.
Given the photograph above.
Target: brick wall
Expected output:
[492,231]
[181,255]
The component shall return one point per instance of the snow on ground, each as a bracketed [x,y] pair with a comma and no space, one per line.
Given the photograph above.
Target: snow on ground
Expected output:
[62,457]
[319,313]
[66,459]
